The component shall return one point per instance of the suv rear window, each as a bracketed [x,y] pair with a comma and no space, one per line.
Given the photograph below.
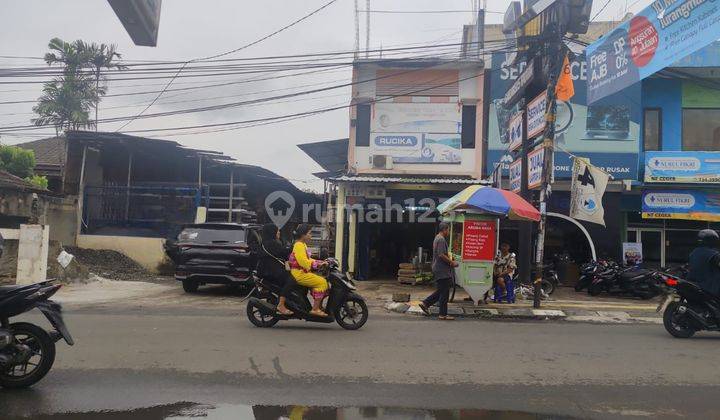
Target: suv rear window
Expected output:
[212,235]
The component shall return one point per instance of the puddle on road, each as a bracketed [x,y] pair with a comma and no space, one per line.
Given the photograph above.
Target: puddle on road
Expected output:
[188,411]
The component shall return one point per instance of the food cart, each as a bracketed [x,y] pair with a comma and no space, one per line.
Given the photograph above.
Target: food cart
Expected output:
[474,216]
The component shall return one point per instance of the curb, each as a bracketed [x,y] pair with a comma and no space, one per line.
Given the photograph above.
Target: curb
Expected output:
[600,317]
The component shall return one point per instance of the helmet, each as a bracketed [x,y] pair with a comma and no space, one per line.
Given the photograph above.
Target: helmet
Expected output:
[708,237]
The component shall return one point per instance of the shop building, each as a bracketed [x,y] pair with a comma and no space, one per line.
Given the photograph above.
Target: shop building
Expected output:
[678,192]
[415,139]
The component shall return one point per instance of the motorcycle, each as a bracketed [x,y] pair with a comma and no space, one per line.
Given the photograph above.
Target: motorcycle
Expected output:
[687,308]
[589,270]
[632,281]
[344,305]
[27,351]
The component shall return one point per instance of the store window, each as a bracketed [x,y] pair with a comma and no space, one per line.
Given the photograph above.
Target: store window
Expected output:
[652,129]
[362,126]
[679,244]
[701,129]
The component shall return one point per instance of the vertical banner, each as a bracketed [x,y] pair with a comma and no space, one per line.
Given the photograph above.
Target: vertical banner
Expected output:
[536,115]
[632,253]
[655,38]
[515,131]
[478,240]
[516,176]
[586,192]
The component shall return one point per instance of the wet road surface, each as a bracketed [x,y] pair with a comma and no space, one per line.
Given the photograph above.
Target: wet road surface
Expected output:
[140,362]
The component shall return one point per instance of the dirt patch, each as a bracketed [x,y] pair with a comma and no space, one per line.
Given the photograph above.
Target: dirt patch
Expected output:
[109,264]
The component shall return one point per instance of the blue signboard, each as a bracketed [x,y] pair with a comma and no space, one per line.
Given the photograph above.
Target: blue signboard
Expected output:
[606,132]
[658,36]
[681,204]
[683,167]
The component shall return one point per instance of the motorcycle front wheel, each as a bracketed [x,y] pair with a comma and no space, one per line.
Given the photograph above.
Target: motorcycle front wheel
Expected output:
[39,362]
[674,324]
[352,314]
[259,318]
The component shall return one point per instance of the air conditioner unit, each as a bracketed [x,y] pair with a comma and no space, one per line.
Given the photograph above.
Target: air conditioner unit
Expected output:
[381,161]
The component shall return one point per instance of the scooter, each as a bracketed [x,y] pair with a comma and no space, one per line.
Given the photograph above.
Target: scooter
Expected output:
[27,352]
[687,308]
[344,305]
[633,281]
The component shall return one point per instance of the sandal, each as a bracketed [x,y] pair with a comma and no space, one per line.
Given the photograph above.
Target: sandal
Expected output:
[286,312]
[319,313]
[446,318]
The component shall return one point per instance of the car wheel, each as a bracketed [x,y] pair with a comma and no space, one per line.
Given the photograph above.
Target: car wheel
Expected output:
[190,286]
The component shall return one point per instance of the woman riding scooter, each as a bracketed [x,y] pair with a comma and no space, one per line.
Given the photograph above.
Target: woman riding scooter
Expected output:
[272,264]
[301,269]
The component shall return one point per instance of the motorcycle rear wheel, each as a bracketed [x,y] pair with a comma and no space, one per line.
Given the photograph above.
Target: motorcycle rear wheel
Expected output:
[259,318]
[670,321]
[594,290]
[41,345]
[352,314]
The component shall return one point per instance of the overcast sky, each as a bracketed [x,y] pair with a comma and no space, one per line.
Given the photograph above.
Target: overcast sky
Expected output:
[191,29]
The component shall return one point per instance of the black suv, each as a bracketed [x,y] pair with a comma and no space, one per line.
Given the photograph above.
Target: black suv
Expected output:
[214,253]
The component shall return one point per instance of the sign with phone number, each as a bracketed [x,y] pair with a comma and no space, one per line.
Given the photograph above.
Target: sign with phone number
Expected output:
[683,167]
[655,38]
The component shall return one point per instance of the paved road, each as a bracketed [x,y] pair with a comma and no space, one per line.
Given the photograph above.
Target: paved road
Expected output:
[128,357]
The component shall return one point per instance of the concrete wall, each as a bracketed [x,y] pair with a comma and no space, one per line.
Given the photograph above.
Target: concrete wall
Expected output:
[147,252]
[61,216]
[32,254]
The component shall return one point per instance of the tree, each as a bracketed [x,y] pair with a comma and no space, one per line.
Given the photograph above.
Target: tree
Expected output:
[67,100]
[17,161]
[100,57]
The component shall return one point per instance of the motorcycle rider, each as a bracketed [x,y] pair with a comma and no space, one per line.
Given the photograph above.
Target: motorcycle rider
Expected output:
[704,262]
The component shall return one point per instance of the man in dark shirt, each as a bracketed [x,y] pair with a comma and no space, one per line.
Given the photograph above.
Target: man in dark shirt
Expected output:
[442,267]
[705,262]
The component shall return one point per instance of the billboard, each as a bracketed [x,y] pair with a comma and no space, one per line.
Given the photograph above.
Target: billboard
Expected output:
[655,38]
[606,132]
[683,167]
[417,132]
[681,204]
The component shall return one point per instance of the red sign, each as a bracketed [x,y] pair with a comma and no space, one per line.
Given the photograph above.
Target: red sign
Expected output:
[478,240]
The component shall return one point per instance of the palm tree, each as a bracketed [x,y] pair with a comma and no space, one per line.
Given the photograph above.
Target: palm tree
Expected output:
[67,100]
[99,57]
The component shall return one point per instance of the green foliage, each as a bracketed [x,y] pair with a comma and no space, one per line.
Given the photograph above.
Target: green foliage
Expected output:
[38,180]
[67,100]
[17,161]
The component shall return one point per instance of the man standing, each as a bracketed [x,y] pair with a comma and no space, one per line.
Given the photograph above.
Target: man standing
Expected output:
[442,267]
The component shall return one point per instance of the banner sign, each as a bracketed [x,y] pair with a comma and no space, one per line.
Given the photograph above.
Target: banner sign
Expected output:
[681,204]
[516,175]
[478,240]
[417,132]
[515,131]
[535,167]
[632,253]
[655,38]
[518,88]
[606,132]
[683,167]
[586,192]
[536,115]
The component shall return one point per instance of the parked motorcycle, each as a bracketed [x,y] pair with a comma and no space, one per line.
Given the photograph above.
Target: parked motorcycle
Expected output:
[27,351]
[589,270]
[687,308]
[632,281]
[344,305]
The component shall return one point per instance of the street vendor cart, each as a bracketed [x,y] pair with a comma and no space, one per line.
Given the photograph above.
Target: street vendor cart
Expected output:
[474,215]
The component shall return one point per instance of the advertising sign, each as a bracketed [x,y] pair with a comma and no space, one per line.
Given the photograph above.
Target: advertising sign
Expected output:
[683,167]
[515,131]
[536,115]
[606,132]
[535,167]
[681,204]
[478,240]
[632,253]
[518,87]
[653,39]
[516,175]
[417,133]
[586,192]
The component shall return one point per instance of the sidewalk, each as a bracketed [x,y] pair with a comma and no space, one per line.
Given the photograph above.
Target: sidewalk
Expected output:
[565,304]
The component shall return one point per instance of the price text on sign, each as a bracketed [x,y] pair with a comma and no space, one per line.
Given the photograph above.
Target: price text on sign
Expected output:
[478,240]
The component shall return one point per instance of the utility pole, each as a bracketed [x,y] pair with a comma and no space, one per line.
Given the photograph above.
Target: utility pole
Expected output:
[357,30]
[553,50]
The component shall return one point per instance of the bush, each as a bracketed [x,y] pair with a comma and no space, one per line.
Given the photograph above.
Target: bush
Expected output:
[38,180]
[17,161]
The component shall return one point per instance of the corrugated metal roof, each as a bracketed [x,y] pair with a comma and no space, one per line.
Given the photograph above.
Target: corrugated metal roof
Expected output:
[408,180]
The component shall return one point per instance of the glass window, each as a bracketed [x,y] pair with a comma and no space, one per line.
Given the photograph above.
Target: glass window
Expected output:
[701,129]
[652,129]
